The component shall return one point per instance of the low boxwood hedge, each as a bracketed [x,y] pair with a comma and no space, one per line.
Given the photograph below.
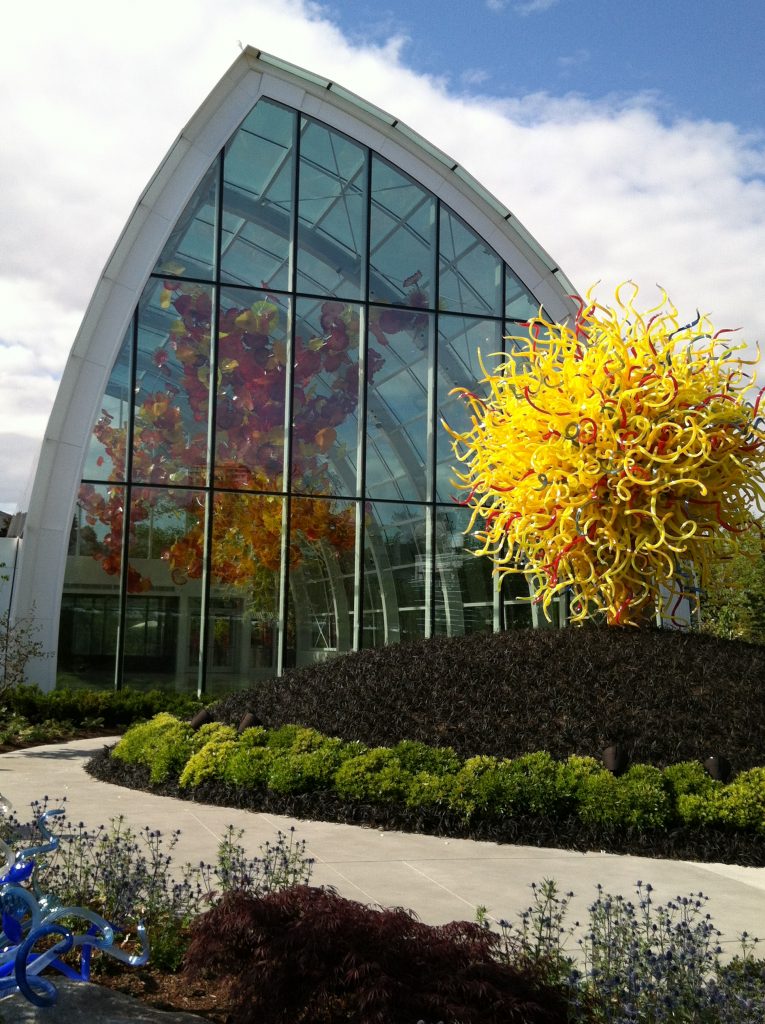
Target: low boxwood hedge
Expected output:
[296,760]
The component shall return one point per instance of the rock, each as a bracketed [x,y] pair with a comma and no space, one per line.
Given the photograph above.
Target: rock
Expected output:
[78,1000]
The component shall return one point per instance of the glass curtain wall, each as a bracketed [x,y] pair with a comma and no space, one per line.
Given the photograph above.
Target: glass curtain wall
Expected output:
[268,482]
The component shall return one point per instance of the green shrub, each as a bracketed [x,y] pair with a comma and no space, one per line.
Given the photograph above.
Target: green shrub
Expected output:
[532,784]
[255,736]
[427,789]
[701,808]
[376,775]
[290,737]
[163,745]
[638,798]
[248,765]
[419,757]
[687,777]
[481,787]
[209,758]
[211,731]
[573,774]
[742,802]
[303,772]
[116,710]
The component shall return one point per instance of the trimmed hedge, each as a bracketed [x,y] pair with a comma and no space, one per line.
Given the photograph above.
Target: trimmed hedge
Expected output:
[295,760]
[84,708]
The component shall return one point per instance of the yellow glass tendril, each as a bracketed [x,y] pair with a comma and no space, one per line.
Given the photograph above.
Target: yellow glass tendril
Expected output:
[614,457]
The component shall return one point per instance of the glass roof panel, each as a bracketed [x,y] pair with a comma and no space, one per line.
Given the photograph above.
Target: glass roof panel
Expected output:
[460,339]
[470,271]
[520,304]
[106,448]
[332,201]
[400,347]
[402,239]
[190,249]
[257,199]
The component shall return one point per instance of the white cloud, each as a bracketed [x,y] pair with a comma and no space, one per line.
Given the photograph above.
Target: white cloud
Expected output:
[474,76]
[92,95]
[496,5]
[535,6]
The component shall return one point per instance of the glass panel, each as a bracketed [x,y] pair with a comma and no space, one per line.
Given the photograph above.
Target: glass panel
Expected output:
[464,594]
[325,398]
[396,567]
[190,249]
[108,442]
[322,544]
[252,378]
[244,593]
[257,199]
[518,612]
[90,603]
[165,558]
[520,304]
[459,341]
[470,278]
[331,213]
[172,383]
[399,353]
[402,239]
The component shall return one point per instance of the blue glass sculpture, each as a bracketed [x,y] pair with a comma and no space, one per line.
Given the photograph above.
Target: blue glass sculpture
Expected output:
[29,915]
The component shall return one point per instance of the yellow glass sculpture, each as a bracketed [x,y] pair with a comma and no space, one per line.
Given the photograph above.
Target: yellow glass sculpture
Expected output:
[614,457]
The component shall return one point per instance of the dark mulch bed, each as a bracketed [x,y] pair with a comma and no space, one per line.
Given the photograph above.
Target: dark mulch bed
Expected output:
[710,845]
[666,696]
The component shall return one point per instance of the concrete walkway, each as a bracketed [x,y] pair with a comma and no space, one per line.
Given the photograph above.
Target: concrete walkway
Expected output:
[440,879]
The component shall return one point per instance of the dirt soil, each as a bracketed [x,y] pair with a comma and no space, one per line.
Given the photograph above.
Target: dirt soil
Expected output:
[208,998]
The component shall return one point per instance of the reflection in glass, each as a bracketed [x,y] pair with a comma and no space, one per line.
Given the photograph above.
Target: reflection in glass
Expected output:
[244,591]
[172,384]
[325,398]
[517,610]
[309,250]
[400,351]
[459,341]
[402,239]
[105,459]
[321,595]
[164,586]
[331,213]
[470,274]
[190,249]
[464,592]
[252,378]
[520,304]
[90,602]
[397,567]
[257,199]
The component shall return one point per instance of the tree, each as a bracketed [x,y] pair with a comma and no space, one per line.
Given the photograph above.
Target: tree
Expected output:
[733,604]
[615,457]
[18,646]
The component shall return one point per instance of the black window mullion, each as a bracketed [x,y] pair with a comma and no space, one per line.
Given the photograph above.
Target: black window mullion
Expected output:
[204,611]
[284,567]
[361,456]
[122,610]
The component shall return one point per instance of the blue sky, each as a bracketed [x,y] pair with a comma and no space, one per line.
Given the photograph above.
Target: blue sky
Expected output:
[697,58]
[629,139]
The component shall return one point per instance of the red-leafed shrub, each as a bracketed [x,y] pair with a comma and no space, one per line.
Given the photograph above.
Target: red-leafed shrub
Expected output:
[309,956]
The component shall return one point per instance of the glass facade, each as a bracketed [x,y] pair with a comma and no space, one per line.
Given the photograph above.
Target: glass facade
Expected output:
[268,481]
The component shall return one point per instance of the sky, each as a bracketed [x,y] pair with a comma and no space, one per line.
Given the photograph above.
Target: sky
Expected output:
[629,139]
